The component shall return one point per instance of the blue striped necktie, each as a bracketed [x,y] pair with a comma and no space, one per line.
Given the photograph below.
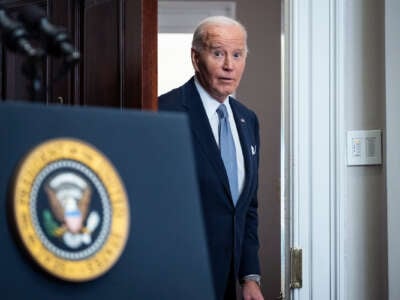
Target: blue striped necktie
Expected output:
[228,151]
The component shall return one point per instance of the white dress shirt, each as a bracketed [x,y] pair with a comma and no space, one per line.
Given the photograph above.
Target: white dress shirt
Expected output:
[211,105]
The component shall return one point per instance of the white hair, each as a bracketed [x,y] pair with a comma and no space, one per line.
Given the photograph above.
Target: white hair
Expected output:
[200,31]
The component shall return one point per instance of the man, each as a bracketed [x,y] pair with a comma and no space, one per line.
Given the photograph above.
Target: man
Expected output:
[226,145]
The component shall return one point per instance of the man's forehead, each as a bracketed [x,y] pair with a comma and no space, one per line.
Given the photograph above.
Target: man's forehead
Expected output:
[224,29]
[219,38]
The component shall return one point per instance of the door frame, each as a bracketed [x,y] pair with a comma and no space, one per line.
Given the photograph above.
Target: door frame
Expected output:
[314,145]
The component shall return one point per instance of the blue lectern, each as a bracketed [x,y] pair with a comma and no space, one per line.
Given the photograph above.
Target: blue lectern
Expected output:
[61,206]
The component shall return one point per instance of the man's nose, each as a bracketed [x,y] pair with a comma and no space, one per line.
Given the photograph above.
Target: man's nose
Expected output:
[228,62]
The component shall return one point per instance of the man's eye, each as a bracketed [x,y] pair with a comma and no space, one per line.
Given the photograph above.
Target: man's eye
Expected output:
[237,55]
[218,53]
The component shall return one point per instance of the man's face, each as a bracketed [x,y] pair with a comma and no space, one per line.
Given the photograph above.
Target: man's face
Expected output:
[220,64]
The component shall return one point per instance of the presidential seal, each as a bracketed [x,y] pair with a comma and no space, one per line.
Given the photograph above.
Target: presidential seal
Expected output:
[70,209]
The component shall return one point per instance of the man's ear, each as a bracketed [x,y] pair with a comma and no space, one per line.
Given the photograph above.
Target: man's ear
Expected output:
[195,59]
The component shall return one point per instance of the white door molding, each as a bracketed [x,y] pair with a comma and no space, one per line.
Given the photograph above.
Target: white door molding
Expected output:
[392,42]
[317,158]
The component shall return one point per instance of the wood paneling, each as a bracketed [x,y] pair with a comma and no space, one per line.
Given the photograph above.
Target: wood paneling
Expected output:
[141,55]
[118,44]
[102,50]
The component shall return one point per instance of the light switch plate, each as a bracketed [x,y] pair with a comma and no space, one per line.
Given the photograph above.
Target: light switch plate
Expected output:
[364,147]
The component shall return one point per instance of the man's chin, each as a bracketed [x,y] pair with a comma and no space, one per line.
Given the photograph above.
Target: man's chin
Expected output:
[228,93]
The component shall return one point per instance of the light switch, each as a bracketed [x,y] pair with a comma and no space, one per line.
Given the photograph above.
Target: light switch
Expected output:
[356,147]
[364,147]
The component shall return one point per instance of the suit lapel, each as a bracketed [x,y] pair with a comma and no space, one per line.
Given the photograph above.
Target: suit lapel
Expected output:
[202,131]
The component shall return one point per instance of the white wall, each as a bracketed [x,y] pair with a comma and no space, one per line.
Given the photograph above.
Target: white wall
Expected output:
[365,251]
[392,15]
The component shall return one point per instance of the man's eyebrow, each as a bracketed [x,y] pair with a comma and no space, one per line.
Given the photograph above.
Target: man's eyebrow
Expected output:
[213,47]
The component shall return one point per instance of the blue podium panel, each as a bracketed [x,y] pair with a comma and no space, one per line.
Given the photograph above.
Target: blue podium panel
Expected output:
[165,255]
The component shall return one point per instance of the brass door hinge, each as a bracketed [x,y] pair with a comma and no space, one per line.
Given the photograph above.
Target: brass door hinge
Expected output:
[296,266]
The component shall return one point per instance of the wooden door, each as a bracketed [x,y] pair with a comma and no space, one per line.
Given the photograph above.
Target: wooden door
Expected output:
[117,40]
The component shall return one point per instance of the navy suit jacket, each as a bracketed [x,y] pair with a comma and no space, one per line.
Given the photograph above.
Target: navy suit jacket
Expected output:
[231,230]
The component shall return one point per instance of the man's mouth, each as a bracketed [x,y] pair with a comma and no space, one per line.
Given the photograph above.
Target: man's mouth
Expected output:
[226,79]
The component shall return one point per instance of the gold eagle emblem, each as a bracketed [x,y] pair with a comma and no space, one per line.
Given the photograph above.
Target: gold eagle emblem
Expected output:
[69,198]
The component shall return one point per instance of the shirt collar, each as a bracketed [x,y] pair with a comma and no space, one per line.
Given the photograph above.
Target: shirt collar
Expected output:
[210,104]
